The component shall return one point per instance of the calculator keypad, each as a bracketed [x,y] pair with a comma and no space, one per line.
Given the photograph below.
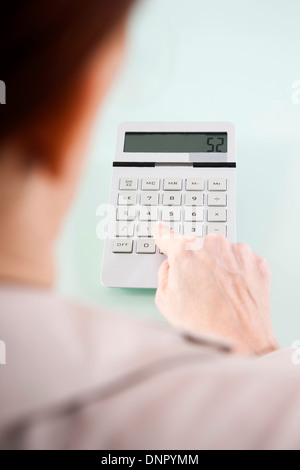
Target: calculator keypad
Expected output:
[194,206]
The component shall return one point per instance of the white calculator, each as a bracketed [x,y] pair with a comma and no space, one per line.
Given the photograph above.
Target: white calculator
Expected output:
[180,173]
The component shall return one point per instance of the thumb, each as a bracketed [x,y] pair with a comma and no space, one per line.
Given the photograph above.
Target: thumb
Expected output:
[163,274]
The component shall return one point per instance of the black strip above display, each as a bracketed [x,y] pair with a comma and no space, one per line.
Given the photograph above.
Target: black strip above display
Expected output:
[214,164]
[134,164]
[195,164]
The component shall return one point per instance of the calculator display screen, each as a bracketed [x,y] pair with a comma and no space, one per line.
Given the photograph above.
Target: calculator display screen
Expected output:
[175,142]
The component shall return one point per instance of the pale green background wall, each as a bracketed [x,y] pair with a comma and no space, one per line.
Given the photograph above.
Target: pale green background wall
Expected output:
[214,60]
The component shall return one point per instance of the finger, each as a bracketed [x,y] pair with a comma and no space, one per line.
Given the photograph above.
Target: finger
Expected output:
[173,244]
[165,238]
[221,250]
[244,254]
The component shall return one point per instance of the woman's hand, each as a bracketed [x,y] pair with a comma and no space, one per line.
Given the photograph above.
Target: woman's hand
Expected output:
[212,286]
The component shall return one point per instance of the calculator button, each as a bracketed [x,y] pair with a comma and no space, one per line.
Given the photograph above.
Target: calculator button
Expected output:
[122,246]
[127,199]
[169,215]
[175,226]
[126,213]
[171,199]
[148,213]
[128,183]
[217,215]
[145,229]
[194,184]
[194,199]
[149,199]
[217,199]
[172,184]
[217,228]
[145,246]
[193,229]
[150,184]
[123,229]
[193,214]
[217,184]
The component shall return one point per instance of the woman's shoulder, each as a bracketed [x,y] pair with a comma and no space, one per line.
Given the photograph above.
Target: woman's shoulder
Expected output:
[57,348]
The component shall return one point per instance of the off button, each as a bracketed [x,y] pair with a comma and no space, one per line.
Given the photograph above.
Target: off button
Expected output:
[122,246]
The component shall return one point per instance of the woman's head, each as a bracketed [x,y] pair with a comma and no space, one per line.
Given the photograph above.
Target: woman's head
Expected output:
[47,50]
[58,59]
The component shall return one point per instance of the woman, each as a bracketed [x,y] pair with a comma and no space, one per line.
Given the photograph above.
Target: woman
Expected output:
[78,378]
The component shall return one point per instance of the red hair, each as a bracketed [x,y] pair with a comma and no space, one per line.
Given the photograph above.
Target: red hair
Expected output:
[44,45]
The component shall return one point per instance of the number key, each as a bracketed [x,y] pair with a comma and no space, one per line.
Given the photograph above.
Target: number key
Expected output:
[171,215]
[194,199]
[171,199]
[145,229]
[193,229]
[148,213]
[145,247]
[193,214]
[149,199]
